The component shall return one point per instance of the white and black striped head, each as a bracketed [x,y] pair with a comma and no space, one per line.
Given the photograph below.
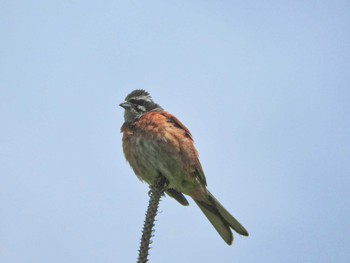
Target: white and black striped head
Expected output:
[137,103]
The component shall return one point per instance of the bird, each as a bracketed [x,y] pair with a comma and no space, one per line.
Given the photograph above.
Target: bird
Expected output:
[156,144]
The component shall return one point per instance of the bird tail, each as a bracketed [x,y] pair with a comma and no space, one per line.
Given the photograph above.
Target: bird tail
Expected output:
[220,218]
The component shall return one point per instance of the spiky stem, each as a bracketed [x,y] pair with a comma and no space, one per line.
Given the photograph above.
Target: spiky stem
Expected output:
[155,194]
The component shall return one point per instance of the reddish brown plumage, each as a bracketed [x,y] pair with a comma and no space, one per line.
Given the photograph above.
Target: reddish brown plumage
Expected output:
[157,144]
[168,133]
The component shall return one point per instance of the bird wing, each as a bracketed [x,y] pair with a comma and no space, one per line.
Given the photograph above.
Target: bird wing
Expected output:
[189,144]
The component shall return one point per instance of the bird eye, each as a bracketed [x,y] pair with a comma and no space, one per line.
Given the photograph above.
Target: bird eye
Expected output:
[137,102]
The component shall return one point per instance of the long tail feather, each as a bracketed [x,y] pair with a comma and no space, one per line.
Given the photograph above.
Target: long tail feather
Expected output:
[221,219]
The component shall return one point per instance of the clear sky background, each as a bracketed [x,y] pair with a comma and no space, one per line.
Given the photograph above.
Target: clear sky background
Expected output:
[264,86]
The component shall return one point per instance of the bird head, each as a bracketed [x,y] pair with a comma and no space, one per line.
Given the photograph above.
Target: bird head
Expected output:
[137,103]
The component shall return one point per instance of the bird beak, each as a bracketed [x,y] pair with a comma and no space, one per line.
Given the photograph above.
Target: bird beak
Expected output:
[125,105]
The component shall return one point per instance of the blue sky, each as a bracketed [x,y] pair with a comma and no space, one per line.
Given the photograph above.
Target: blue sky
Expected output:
[262,85]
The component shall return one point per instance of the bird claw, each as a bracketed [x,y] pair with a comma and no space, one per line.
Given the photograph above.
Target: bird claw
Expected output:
[161,184]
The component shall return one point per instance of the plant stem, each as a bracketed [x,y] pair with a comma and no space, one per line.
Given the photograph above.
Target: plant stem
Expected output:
[155,193]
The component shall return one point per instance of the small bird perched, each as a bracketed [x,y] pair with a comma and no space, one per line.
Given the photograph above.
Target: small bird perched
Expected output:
[156,144]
